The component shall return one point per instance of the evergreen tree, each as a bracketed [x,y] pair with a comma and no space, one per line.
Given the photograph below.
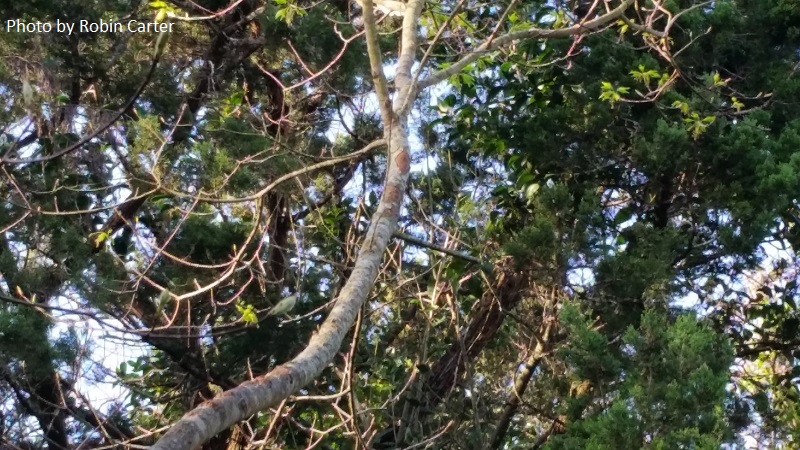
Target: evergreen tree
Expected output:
[581,206]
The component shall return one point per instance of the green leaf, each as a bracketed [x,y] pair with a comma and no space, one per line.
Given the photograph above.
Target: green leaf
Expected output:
[248,315]
[737,104]
[531,191]
[623,27]
[718,81]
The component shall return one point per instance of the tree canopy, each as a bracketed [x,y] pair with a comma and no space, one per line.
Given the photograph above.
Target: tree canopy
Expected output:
[500,225]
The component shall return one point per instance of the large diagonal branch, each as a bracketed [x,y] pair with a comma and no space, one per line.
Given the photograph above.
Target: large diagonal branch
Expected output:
[267,390]
[253,396]
[210,418]
[508,289]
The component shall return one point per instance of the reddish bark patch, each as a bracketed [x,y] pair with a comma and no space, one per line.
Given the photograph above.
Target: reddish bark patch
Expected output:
[277,373]
[403,161]
[394,199]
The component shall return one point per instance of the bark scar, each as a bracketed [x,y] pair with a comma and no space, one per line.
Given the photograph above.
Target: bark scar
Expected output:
[403,161]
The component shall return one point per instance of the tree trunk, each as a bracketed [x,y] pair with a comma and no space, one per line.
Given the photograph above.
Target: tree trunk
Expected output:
[503,297]
[522,379]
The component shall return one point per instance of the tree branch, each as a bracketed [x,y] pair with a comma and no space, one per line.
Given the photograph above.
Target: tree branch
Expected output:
[97,131]
[208,419]
[486,267]
[267,390]
[530,33]
[521,381]
[376,62]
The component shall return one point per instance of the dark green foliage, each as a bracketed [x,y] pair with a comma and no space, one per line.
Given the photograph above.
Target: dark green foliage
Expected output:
[663,390]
